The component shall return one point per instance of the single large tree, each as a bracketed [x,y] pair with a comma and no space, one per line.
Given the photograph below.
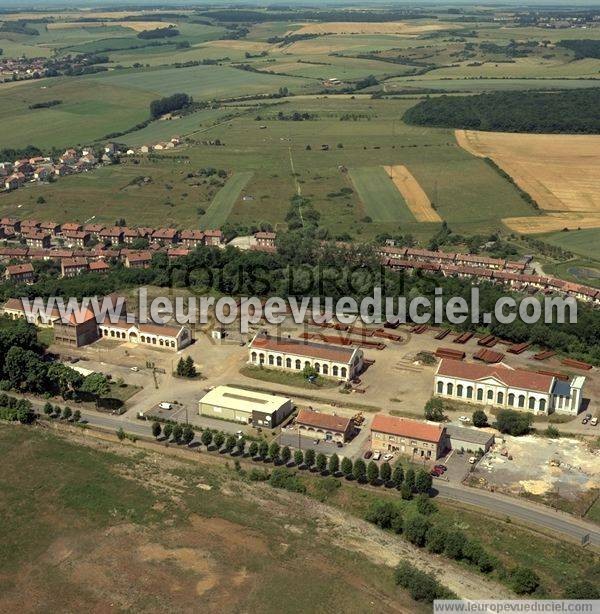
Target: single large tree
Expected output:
[423,481]
[385,472]
[309,457]
[188,434]
[398,475]
[334,463]
[206,437]
[372,472]
[298,457]
[346,466]
[359,470]
[156,429]
[286,454]
[321,462]
[219,439]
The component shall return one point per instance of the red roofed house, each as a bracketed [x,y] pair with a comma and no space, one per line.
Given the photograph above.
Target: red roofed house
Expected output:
[71,267]
[343,362]
[192,238]
[35,238]
[99,266]
[318,425]
[19,273]
[138,260]
[76,331]
[419,440]
[130,235]
[502,386]
[213,237]
[165,235]
[76,238]
[112,234]
[265,239]
[52,227]
[14,181]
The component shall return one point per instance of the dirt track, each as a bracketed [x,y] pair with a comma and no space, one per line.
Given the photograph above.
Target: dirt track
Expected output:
[414,195]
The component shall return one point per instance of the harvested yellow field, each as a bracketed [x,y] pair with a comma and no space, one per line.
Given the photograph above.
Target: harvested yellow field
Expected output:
[392,27]
[552,222]
[240,45]
[138,26]
[561,172]
[414,195]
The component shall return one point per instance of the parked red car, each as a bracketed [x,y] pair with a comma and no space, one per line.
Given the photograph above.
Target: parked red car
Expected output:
[436,472]
[442,468]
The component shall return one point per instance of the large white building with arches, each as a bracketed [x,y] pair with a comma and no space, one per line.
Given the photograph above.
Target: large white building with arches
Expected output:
[342,362]
[502,386]
[159,336]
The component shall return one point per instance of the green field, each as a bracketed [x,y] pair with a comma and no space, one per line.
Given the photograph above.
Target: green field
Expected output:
[582,242]
[383,202]
[89,522]
[224,201]
[468,193]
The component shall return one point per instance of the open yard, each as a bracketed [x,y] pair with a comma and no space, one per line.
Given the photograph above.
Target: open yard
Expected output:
[560,172]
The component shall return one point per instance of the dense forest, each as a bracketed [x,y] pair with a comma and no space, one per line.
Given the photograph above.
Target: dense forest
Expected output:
[302,267]
[169,103]
[568,112]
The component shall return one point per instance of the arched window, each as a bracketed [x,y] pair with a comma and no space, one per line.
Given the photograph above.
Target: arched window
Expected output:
[500,398]
[440,387]
[261,359]
[469,392]
[271,359]
[490,395]
[298,364]
[343,371]
[542,405]
[317,367]
[449,388]
[325,369]
[521,400]
[480,394]
[279,361]
[511,399]
[306,364]
[531,402]
[288,363]
[335,370]
[459,390]
[253,356]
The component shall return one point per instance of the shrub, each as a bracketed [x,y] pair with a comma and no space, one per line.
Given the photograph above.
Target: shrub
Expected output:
[513,422]
[382,513]
[282,478]
[523,580]
[479,418]
[425,505]
[436,539]
[454,544]
[421,585]
[415,529]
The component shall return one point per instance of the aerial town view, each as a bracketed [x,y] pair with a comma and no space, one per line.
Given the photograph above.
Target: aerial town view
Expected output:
[299,306]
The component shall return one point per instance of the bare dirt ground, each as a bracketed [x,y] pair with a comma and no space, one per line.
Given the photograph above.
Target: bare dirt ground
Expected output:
[561,173]
[541,466]
[414,195]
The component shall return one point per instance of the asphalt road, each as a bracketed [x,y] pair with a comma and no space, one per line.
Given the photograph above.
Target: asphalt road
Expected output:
[529,513]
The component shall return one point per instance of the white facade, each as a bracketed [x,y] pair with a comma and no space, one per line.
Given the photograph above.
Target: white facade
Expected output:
[293,355]
[560,396]
[168,337]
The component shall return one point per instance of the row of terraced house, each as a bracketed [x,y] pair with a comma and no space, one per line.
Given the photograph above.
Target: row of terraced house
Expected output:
[482,268]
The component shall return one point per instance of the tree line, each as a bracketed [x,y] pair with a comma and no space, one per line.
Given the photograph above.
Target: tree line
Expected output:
[571,111]
[168,104]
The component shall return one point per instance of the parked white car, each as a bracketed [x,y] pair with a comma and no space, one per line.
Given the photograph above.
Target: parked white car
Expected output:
[165,405]
[465,419]
[377,456]
[388,457]
[473,460]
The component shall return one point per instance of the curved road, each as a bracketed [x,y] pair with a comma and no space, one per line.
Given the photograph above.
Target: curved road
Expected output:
[519,509]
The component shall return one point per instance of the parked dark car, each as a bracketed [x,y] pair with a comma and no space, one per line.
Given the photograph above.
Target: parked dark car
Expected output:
[368,454]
